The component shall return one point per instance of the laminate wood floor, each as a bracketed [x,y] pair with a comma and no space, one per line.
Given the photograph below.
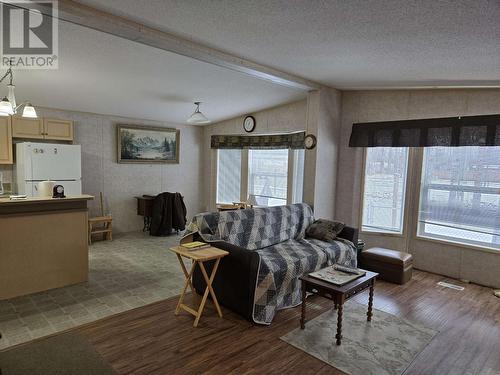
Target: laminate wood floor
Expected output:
[151,340]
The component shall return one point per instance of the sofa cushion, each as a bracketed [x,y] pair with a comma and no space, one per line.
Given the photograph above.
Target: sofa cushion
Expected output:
[325,230]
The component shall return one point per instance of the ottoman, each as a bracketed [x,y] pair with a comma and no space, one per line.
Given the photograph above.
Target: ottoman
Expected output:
[391,265]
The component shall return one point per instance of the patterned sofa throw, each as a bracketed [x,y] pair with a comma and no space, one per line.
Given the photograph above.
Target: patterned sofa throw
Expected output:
[277,234]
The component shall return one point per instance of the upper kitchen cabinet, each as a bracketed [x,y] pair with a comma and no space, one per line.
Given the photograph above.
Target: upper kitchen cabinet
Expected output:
[27,128]
[51,129]
[58,129]
[5,141]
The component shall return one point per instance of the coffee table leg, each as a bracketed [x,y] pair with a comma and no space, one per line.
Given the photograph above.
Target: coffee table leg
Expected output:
[370,302]
[303,316]
[338,336]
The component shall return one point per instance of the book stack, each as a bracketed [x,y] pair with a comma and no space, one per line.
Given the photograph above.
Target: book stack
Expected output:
[196,245]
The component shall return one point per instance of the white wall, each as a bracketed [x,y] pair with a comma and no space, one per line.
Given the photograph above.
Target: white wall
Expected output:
[121,182]
[368,106]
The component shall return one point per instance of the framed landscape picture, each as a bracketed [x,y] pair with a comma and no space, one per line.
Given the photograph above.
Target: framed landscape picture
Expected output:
[147,144]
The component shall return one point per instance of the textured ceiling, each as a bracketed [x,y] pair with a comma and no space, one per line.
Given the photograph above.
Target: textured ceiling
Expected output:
[342,43]
[100,73]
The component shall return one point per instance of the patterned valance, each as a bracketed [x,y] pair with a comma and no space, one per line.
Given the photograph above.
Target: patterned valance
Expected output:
[288,140]
[447,131]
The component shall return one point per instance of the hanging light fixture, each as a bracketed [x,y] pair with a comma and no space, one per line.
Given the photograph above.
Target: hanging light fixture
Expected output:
[197,117]
[8,105]
[5,107]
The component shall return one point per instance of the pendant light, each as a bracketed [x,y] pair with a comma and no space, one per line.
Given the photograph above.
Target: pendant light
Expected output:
[8,105]
[6,108]
[29,111]
[197,117]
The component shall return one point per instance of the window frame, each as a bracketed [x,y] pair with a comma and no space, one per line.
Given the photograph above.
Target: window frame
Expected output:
[217,176]
[245,171]
[416,236]
[412,203]
[406,204]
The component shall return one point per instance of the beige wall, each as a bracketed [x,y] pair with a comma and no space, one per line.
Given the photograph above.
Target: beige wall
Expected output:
[323,111]
[286,118]
[367,106]
[121,182]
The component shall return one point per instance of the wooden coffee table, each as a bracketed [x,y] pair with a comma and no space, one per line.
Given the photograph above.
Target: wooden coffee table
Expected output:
[338,294]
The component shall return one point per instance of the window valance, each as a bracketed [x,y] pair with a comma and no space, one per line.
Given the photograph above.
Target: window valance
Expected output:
[447,131]
[262,141]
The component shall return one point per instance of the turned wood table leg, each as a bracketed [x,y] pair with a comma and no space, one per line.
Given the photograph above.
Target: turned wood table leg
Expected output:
[303,315]
[338,336]
[370,302]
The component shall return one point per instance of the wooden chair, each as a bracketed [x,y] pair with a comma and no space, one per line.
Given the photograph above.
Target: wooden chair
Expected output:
[101,224]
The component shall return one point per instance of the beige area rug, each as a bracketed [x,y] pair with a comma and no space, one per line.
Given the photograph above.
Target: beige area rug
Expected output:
[385,346]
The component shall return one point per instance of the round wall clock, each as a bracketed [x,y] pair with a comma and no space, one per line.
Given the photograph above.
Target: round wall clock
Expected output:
[249,124]
[310,141]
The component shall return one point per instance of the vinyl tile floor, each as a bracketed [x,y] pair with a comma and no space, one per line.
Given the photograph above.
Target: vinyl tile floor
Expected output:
[133,270]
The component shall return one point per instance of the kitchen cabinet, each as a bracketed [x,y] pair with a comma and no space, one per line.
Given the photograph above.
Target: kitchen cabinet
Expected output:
[5,141]
[46,128]
[43,244]
[27,128]
[58,129]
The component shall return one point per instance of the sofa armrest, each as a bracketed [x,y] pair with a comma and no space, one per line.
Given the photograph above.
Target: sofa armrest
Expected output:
[234,282]
[349,233]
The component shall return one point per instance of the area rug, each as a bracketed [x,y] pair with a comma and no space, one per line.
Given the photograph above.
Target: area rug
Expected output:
[385,346]
[65,354]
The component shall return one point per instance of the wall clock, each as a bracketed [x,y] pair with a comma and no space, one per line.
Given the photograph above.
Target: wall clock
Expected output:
[310,141]
[249,124]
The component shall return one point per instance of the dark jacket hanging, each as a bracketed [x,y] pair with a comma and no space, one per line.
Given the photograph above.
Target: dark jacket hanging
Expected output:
[169,212]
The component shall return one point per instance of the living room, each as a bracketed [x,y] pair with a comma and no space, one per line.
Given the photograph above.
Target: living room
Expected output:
[379,120]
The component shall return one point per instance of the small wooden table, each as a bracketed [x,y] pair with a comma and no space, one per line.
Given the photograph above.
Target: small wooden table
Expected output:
[338,294]
[198,257]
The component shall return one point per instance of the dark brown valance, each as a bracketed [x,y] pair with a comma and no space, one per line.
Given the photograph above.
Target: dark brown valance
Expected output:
[446,131]
[262,141]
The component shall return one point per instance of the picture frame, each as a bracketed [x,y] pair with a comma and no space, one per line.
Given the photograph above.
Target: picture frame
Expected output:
[147,144]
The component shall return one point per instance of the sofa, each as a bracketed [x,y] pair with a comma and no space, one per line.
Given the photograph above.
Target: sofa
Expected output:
[268,252]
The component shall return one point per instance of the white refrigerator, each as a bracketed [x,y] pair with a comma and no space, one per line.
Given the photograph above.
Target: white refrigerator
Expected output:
[36,162]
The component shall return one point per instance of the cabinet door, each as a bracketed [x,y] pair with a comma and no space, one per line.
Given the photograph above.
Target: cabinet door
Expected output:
[27,128]
[58,129]
[5,141]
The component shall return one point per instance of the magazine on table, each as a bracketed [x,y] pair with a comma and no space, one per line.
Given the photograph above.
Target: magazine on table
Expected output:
[338,275]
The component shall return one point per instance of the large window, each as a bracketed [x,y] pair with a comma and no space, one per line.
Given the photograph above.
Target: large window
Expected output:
[460,195]
[268,175]
[228,175]
[275,176]
[384,189]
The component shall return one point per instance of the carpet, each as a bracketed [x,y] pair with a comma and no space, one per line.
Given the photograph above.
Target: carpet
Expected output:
[65,354]
[385,346]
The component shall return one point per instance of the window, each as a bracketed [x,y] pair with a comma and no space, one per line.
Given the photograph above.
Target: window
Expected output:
[384,189]
[228,176]
[268,175]
[298,176]
[460,195]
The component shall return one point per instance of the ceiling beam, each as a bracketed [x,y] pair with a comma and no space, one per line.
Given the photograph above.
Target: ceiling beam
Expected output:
[80,14]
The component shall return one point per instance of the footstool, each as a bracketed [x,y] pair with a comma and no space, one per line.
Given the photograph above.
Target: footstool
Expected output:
[391,265]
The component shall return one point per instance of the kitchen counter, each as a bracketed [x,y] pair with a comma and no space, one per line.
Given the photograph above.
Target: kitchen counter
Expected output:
[43,244]
[43,203]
